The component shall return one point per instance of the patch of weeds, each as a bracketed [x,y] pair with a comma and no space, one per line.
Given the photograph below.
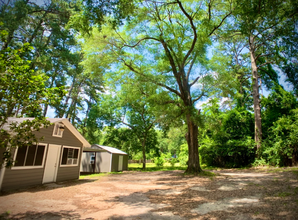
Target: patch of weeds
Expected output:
[296,190]
[283,194]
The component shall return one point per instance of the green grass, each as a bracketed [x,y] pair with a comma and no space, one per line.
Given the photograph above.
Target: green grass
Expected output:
[97,175]
[167,166]
[152,167]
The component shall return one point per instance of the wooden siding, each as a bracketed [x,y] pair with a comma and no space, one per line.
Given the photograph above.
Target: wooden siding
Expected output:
[68,138]
[103,160]
[68,173]
[115,161]
[125,162]
[15,179]
[86,167]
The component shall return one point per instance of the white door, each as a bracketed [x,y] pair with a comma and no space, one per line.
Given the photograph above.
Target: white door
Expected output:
[120,164]
[51,167]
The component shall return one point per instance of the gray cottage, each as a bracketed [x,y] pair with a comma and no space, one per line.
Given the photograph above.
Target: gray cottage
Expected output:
[99,159]
[56,158]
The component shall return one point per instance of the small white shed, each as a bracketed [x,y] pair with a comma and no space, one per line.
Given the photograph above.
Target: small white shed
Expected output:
[99,159]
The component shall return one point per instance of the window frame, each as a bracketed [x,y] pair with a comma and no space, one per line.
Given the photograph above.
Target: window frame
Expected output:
[69,165]
[30,167]
[57,126]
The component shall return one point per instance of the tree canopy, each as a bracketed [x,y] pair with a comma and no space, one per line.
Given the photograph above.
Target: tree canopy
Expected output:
[135,75]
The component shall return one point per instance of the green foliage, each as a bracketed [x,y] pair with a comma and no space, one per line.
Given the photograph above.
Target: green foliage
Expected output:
[233,153]
[22,94]
[226,140]
[280,128]
[281,148]
[279,103]
[173,161]
[171,140]
[96,12]
[159,161]
[183,155]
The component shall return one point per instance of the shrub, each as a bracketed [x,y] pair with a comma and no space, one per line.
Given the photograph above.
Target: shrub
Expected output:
[281,148]
[173,161]
[159,161]
[183,155]
[233,153]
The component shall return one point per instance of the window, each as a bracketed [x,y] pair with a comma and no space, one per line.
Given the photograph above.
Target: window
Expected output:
[70,156]
[30,156]
[58,130]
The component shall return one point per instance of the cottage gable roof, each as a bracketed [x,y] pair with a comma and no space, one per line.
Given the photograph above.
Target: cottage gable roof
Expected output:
[52,120]
[109,149]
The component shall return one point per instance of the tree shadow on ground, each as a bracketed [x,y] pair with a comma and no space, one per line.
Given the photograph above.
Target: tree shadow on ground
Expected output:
[43,215]
[247,196]
[48,186]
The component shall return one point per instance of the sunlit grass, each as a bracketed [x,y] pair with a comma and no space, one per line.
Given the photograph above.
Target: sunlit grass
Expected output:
[97,175]
[153,167]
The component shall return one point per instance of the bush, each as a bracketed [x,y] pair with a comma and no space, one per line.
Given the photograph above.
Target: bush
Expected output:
[281,148]
[227,141]
[233,153]
[159,161]
[183,155]
[173,161]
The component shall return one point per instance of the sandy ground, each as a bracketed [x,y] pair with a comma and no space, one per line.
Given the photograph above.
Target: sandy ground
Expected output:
[232,194]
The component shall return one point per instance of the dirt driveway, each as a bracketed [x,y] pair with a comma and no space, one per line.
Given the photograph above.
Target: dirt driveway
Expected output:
[233,194]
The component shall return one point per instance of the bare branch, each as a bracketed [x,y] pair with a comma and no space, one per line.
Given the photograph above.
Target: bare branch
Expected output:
[194,81]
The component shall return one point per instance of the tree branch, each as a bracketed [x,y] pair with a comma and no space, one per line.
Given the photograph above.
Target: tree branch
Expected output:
[191,65]
[218,26]
[153,81]
[265,64]
[146,38]
[194,81]
[194,32]
[199,97]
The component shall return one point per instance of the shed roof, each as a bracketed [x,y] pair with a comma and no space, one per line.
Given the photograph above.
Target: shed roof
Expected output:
[109,149]
[52,120]
[89,149]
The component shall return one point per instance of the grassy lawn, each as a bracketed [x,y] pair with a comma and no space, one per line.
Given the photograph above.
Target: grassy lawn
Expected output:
[153,167]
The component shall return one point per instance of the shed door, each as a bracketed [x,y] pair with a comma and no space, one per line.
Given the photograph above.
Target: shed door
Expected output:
[120,164]
[52,163]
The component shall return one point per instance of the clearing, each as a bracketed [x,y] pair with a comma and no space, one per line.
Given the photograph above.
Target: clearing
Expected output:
[231,194]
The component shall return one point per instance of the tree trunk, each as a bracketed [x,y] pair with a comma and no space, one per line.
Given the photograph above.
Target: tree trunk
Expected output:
[256,96]
[193,147]
[144,154]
